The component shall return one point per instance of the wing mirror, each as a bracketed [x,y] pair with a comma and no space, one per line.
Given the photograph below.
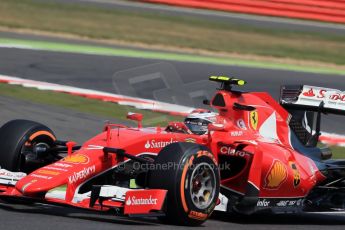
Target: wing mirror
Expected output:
[136,117]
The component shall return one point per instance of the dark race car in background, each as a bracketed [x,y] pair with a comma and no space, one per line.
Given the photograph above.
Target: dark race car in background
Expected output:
[256,157]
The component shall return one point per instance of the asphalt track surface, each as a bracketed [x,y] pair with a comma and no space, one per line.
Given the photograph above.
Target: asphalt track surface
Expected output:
[80,126]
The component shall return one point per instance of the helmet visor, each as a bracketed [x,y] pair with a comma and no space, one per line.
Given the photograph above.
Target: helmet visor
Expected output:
[197,126]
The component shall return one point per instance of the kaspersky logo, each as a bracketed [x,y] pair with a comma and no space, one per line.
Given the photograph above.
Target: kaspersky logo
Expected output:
[153,144]
[141,201]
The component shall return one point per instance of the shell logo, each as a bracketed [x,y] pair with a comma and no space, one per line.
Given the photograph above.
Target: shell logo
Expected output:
[276,175]
[76,159]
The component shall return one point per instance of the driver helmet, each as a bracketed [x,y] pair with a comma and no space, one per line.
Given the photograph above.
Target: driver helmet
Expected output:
[198,121]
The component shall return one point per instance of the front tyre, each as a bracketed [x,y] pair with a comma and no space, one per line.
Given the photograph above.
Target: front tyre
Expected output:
[18,140]
[190,174]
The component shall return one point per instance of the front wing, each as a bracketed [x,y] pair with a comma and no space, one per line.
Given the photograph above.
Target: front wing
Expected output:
[130,202]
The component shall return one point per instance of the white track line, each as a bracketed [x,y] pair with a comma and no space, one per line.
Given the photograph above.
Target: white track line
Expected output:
[104,96]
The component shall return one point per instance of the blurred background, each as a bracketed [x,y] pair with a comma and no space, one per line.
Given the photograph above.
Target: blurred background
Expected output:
[162,50]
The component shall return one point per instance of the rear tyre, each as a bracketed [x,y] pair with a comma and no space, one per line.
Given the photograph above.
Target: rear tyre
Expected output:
[18,139]
[190,174]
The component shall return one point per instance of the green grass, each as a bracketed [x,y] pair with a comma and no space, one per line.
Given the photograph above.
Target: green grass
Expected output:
[158,29]
[167,56]
[81,104]
[338,152]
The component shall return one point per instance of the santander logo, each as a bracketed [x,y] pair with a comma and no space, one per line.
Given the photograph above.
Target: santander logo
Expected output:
[153,144]
[147,145]
[141,201]
[320,93]
[309,93]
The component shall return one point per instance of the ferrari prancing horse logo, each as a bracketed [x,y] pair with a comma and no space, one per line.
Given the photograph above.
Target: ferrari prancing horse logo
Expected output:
[254,119]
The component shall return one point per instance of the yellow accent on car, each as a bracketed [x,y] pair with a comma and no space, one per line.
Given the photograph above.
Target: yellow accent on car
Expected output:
[226,79]
[223,78]
[241,82]
[219,78]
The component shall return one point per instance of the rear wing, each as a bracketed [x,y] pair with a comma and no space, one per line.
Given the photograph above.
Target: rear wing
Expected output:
[312,98]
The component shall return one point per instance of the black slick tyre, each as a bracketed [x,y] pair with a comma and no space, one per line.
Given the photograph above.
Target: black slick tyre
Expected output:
[190,174]
[18,137]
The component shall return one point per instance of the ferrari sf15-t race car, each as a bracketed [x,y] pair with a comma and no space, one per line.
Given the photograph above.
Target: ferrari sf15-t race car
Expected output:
[257,156]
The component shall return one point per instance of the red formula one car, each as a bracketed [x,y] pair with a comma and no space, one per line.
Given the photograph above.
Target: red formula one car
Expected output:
[256,157]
